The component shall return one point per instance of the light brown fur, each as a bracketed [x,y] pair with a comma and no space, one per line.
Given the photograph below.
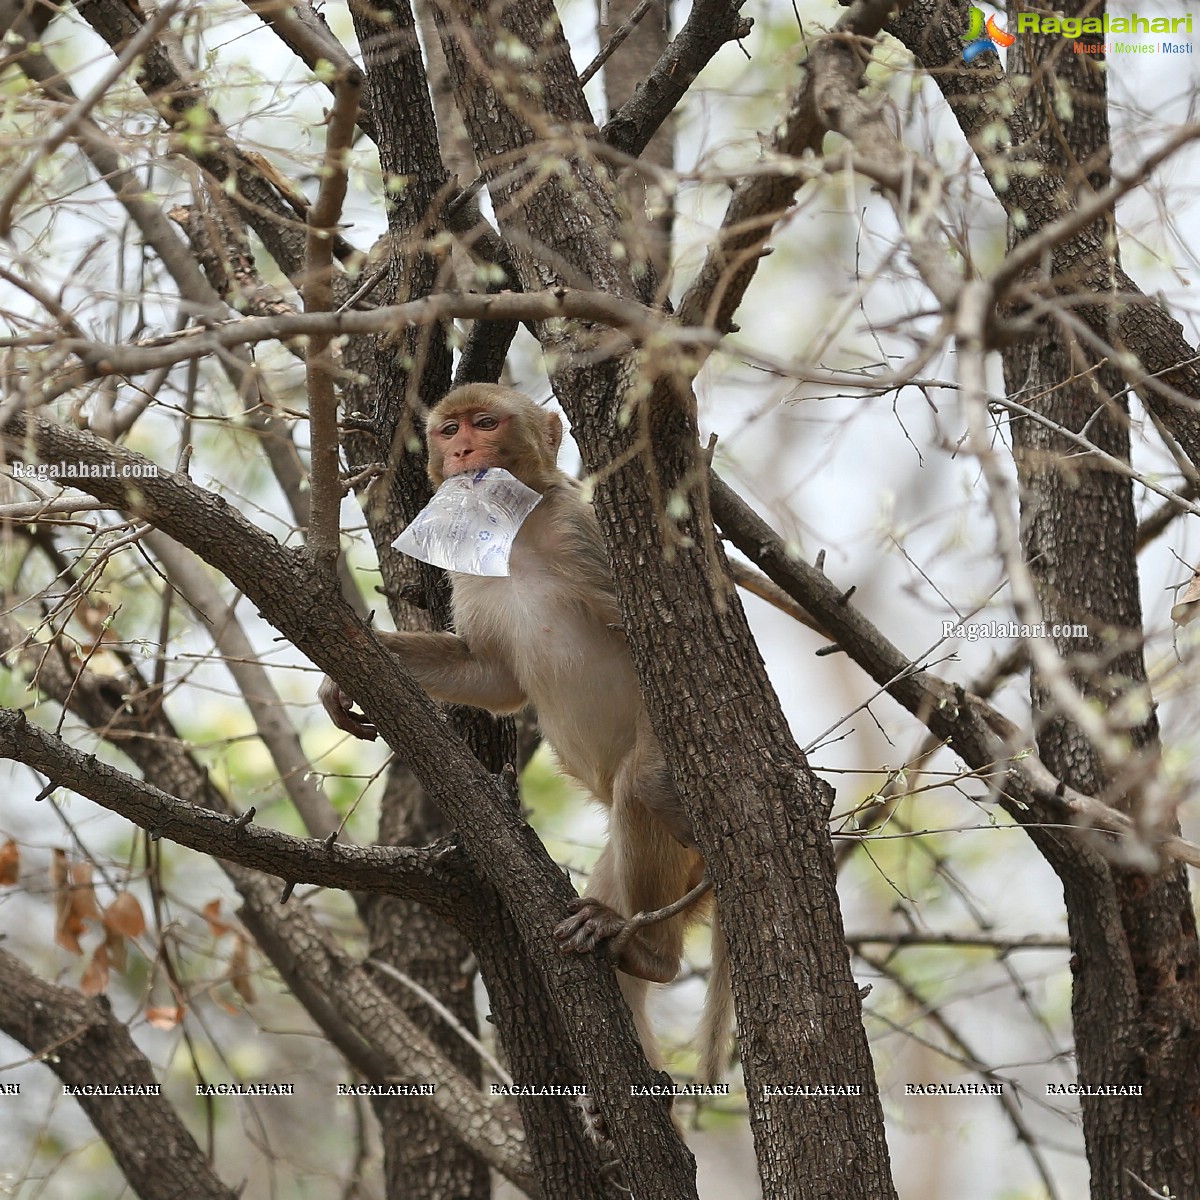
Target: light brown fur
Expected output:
[549,635]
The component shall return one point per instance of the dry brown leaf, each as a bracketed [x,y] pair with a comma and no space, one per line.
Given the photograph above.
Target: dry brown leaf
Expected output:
[95,976]
[74,900]
[216,926]
[10,863]
[165,1016]
[124,916]
[117,947]
[82,892]
[58,870]
[1188,607]
[239,970]
[62,902]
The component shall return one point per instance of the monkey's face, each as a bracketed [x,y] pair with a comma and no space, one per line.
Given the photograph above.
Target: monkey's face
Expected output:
[467,441]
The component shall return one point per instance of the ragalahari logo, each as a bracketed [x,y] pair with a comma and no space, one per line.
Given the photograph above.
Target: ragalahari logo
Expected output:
[982,36]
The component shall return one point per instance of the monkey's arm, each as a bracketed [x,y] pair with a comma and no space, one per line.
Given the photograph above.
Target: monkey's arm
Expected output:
[448,670]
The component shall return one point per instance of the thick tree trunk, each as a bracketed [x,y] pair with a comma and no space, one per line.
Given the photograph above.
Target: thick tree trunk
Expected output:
[1136,1000]
[421,1158]
[759,813]
[650,208]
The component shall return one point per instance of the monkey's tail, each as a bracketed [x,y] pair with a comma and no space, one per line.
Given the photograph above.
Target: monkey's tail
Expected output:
[716,1025]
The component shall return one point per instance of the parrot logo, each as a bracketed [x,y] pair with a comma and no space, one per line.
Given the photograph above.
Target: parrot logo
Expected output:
[982,36]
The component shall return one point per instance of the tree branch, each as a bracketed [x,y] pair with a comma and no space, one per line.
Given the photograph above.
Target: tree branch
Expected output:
[967,1056]
[317,291]
[376,1037]
[277,732]
[70,122]
[627,316]
[299,27]
[273,206]
[973,729]
[86,1046]
[390,870]
[1153,355]
[316,970]
[710,25]
[988,941]
[312,615]
[760,201]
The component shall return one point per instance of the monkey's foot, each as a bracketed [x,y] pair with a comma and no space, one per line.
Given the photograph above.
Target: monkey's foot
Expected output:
[597,928]
[593,924]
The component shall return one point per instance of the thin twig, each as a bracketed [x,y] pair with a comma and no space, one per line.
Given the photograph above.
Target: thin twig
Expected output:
[990,941]
[606,51]
[1056,234]
[977,732]
[634,320]
[967,1056]
[1120,466]
[1109,743]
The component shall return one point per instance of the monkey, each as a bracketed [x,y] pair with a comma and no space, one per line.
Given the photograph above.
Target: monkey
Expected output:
[550,635]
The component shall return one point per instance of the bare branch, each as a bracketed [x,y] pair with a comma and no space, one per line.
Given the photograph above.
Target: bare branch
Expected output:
[615,41]
[267,709]
[83,1042]
[984,739]
[987,941]
[1031,250]
[389,870]
[317,290]
[628,317]
[760,201]
[1035,194]
[315,969]
[710,25]
[492,1063]
[305,33]
[967,1056]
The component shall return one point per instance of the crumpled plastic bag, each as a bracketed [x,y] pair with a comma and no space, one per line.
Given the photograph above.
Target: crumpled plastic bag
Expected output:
[471,523]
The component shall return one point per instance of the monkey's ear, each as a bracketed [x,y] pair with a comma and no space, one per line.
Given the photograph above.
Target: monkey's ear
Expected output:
[554,434]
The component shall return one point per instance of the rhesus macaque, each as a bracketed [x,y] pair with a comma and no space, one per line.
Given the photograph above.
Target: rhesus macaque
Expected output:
[549,635]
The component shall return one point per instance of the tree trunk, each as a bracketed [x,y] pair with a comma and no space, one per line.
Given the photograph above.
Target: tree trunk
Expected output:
[1136,998]
[759,813]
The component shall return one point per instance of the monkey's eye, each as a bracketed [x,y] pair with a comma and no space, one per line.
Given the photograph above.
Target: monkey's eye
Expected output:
[448,430]
[485,421]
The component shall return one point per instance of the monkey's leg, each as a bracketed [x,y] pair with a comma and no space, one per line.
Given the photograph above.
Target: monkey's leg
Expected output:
[643,869]
[644,776]
[640,919]
[596,921]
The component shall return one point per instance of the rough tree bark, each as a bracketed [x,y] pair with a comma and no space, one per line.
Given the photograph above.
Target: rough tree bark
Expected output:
[1136,995]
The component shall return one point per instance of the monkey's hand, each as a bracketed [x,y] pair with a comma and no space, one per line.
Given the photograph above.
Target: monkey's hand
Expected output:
[594,926]
[340,708]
